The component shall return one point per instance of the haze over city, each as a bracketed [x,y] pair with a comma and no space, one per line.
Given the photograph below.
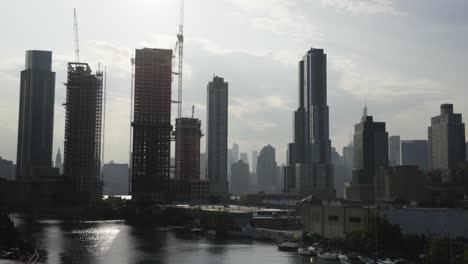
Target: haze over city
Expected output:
[404,57]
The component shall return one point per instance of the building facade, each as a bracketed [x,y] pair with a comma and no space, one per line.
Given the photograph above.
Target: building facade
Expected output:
[58,161]
[239,178]
[152,124]
[6,169]
[446,139]
[216,136]
[312,143]
[36,116]
[266,170]
[244,157]
[83,125]
[115,178]
[370,156]
[394,151]
[415,152]
[187,153]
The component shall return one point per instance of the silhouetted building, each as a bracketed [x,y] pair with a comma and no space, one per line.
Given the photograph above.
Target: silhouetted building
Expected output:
[235,153]
[415,152]
[115,178]
[58,161]
[394,150]
[83,125]
[370,156]
[6,169]
[266,170]
[152,124]
[311,131]
[203,166]
[466,150]
[36,116]
[348,161]
[244,157]
[339,172]
[187,136]
[446,139]
[405,183]
[239,178]
[216,136]
[254,160]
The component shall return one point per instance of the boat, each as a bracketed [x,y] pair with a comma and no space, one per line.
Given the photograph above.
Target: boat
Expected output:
[344,259]
[350,258]
[314,250]
[328,255]
[366,260]
[390,261]
[304,252]
[197,230]
[288,246]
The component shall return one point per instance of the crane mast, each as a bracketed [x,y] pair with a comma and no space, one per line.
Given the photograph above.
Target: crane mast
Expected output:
[180,46]
[75,27]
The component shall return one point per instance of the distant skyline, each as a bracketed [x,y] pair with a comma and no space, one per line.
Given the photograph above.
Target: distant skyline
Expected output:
[405,57]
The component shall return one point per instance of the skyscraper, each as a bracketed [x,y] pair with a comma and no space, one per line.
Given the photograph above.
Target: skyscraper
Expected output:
[240,177]
[58,161]
[83,123]
[312,143]
[235,153]
[370,155]
[267,169]
[152,124]
[348,160]
[254,160]
[6,169]
[36,115]
[203,166]
[115,178]
[394,150]
[446,139]
[187,154]
[216,136]
[416,153]
[244,157]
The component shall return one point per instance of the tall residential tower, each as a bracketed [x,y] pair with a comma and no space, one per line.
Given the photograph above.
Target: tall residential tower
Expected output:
[36,115]
[83,127]
[309,170]
[152,124]
[216,136]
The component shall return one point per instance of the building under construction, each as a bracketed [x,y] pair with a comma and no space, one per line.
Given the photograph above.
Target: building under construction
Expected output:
[187,154]
[83,131]
[152,124]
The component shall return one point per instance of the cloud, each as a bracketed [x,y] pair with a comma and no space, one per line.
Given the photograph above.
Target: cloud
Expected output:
[280,17]
[363,6]
[364,80]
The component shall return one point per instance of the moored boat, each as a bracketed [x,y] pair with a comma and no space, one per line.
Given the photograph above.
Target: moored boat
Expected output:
[314,250]
[288,246]
[328,255]
[304,252]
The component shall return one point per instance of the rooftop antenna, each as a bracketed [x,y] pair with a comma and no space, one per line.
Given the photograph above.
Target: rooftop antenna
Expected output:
[77,49]
[193,110]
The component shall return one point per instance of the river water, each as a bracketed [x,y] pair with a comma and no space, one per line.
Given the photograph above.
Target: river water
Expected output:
[116,242]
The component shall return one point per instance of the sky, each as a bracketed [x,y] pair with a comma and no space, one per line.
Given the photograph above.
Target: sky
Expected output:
[404,57]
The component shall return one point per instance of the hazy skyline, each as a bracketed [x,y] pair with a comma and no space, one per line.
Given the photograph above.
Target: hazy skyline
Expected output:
[405,57]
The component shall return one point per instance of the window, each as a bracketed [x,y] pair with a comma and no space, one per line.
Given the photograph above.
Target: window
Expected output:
[355,219]
[333,218]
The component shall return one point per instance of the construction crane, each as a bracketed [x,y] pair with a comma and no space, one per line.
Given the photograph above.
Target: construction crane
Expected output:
[77,49]
[180,52]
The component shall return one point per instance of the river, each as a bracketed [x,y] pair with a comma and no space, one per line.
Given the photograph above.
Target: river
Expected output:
[116,242]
